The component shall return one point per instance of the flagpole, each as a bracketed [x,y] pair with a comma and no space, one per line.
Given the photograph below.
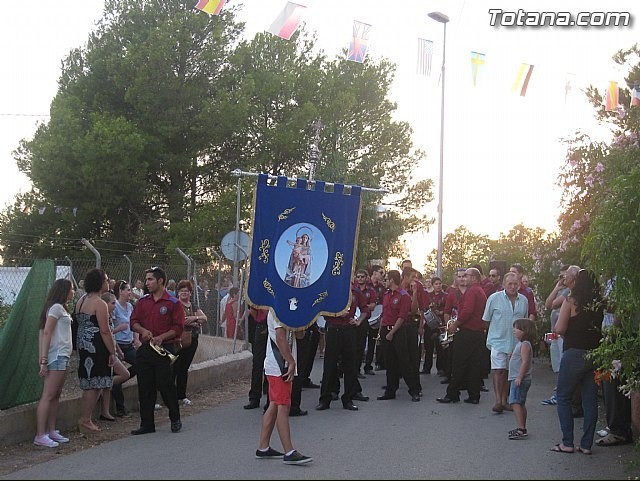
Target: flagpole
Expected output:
[242,173]
[443,19]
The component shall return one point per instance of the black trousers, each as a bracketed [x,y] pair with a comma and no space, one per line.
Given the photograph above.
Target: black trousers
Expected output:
[467,367]
[130,356]
[372,334]
[259,384]
[414,349]
[362,333]
[181,367]
[399,362]
[155,374]
[431,344]
[618,409]
[340,345]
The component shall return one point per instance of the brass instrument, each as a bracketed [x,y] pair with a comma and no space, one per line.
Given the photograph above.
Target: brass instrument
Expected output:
[446,337]
[163,352]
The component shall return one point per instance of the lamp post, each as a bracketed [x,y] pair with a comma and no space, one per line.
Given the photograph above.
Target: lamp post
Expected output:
[443,19]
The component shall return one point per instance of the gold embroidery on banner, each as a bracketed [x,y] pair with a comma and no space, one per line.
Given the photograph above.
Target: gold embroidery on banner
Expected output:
[321,297]
[330,224]
[268,287]
[339,260]
[264,249]
[285,213]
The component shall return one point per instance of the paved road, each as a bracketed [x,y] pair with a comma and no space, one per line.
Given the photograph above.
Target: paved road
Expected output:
[395,439]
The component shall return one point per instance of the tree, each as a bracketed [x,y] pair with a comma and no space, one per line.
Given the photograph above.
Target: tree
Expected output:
[153,116]
[602,215]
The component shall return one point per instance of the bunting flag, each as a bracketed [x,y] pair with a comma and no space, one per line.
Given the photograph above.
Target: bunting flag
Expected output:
[41,210]
[75,211]
[287,22]
[477,61]
[212,7]
[425,53]
[611,97]
[522,79]
[569,85]
[635,95]
[302,252]
[360,42]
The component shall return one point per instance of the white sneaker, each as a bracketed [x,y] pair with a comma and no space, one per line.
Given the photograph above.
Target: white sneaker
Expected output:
[57,437]
[186,402]
[45,441]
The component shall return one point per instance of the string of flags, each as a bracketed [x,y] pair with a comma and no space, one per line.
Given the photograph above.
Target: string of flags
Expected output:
[289,18]
[56,210]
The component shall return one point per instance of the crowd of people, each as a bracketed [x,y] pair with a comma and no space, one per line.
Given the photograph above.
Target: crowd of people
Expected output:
[397,322]
[120,332]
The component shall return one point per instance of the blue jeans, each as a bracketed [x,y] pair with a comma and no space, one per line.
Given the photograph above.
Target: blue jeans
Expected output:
[576,370]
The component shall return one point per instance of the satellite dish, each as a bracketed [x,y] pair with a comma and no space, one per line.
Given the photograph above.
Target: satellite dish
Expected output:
[229,249]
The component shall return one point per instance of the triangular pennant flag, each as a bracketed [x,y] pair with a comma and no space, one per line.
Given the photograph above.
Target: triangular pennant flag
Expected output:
[41,210]
[522,79]
[57,209]
[360,42]
[611,97]
[212,7]
[569,85]
[477,61]
[425,53]
[287,22]
[635,95]
[75,211]
[26,210]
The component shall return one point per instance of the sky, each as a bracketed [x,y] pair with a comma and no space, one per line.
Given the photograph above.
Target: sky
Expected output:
[501,152]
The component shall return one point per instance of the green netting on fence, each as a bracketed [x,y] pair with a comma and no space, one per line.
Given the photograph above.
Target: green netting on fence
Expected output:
[19,379]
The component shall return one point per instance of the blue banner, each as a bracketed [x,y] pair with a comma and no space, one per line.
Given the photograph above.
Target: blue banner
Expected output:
[302,250]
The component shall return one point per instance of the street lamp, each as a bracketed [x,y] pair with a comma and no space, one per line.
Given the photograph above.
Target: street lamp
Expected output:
[443,19]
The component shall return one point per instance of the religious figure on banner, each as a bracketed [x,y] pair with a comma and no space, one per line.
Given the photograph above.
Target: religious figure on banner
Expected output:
[299,266]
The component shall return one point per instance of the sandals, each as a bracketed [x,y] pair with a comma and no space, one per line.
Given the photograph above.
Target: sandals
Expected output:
[612,440]
[518,433]
[558,449]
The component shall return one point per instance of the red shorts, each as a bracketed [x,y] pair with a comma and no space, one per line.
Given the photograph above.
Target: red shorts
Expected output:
[279,391]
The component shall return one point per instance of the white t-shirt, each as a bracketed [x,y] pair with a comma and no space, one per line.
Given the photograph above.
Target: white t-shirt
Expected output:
[61,342]
[271,367]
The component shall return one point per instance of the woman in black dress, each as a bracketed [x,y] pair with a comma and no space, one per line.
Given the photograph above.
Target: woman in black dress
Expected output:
[96,347]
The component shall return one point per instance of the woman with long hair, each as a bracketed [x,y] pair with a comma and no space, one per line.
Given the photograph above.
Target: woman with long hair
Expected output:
[121,374]
[54,346]
[579,323]
[96,347]
[194,319]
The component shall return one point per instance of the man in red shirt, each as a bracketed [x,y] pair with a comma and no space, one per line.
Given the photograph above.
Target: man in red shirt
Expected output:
[159,319]
[468,352]
[341,345]
[396,312]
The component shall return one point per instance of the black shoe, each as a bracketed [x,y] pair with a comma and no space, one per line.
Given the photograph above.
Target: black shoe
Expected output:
[176,426]
[484,389]
[384,387]
[269,454]
[252,405]
[361,376]
[298,412]
[447,400]
[311,385]
[296,458]
[424,371]
[472,401]
[349,406]
[360,397]
[334,396]
[135,432]
[322,406]
[415,398]
[369,372]
[386,396]
[121,413]
[445,381]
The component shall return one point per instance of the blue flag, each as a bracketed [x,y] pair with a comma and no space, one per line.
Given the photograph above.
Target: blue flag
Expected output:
[302,250]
